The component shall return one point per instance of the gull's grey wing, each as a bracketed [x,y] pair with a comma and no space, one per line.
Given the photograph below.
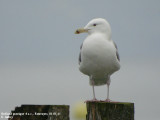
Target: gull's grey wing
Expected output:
[80,53]
[117,54]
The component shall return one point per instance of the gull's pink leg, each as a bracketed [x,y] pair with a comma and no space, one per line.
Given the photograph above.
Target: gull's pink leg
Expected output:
[108,83]
[108,100]
[94,96]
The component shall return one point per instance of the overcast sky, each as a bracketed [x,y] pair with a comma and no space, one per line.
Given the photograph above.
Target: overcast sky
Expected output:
[39,52]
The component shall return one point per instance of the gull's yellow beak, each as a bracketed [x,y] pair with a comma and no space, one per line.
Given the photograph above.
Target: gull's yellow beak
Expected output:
[81,30]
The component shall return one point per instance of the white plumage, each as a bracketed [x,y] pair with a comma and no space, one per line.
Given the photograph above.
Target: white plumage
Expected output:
[98,56]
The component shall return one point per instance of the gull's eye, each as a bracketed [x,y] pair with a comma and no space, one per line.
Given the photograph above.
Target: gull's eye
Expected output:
[94,24]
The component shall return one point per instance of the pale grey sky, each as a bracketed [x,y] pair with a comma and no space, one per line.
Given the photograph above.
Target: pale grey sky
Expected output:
[39,52]
[43,30]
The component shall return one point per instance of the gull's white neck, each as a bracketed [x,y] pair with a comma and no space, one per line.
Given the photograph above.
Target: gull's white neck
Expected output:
[107,34]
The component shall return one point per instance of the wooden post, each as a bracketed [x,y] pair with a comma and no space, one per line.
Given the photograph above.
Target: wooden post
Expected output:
[40,112]
[110,111]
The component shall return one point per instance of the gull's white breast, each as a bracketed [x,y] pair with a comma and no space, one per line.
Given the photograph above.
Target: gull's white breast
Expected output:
[98,56]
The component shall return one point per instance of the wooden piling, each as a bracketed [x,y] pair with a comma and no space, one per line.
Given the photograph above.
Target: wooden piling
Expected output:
[110,111]
[40,112]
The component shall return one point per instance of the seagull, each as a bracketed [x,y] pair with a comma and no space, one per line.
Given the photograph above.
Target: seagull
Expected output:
[98,57]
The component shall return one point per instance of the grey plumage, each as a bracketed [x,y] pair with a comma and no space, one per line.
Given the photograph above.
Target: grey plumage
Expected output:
[80,53]
[117,54]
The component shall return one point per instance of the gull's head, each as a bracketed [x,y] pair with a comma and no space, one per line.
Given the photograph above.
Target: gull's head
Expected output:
[96,25]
